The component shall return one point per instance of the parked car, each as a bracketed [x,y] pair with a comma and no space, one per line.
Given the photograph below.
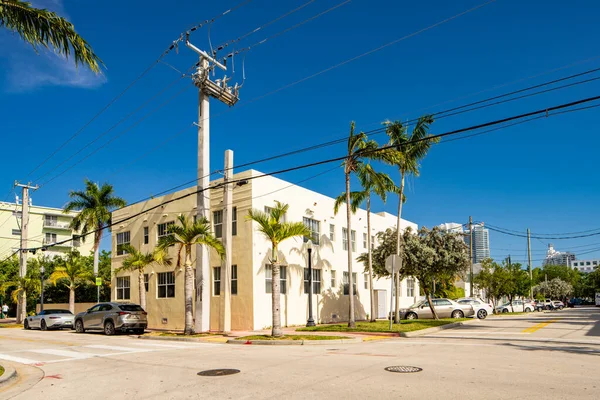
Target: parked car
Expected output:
[542,305]
[517,306]
[480,307]
[50,319]
[112,318]
[445,308]
[558,304]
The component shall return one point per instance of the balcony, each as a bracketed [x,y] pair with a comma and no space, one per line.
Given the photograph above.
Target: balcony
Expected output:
[52,224]
[51,242]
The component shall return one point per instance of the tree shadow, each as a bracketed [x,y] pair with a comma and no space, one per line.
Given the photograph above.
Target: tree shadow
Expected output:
[565,349]
[335,304]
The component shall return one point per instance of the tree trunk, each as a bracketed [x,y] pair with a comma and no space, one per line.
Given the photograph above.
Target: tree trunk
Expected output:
[97,239]
[276,298]
[370,253]
[72,299]
[142,288]
[351,321]
[511,304]
[399,250]
[23,305]
[188,292]
[431,307]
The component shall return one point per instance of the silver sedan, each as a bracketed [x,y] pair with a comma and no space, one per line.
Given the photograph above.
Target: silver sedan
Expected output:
[50,319]
[445,308]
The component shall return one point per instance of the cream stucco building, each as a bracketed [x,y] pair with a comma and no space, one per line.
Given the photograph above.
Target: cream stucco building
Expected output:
[251,283]
[47,225]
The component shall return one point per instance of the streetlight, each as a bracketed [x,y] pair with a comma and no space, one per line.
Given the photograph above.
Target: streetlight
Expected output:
[310,321]
[42,270]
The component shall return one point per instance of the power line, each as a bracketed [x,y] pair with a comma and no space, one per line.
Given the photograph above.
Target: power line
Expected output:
[546,234]
[546,238]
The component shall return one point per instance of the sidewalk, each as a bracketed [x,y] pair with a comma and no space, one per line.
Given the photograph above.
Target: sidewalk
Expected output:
[8,321]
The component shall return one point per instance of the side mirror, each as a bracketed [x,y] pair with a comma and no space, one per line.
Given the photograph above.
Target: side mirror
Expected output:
[422,306]
[89,310]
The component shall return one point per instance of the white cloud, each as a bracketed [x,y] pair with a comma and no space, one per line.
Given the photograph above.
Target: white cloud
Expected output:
[27,70]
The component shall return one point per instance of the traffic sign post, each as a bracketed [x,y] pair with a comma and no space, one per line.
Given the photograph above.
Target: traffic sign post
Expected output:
[98,281]
[391,266]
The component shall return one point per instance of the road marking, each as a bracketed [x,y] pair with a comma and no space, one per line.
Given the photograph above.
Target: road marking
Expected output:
[539,326]
[18,359]
[118,348]
[64,353]
[182,345]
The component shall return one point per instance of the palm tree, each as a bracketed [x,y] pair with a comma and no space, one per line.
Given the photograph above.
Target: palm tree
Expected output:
[358,149]
[138,261]
[276,231]
[372,182]
[72,272]
[94,205]
[184,236]
[23,286]
[406,154]
[41,27]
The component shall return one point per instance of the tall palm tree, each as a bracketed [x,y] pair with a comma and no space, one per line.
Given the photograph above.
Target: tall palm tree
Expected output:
[138,261]
[276,231]
[406,154]
[358,150]
[94,205]
[185,235]
[372,182]
[40,27]
[23,286]
[72,272]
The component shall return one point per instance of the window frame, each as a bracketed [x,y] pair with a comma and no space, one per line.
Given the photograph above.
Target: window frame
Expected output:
[316,280]
[333,280]
[166,284]
[121,289]
[146,235]
[166,226]
[410,287]
[346,283]
[146,281]
[216,286]
[269,279]
[234,221]
[310,224]
[345,239]
[218,226]
[234,279]
[365,240]
[121,236]
[332,232]
[353,240]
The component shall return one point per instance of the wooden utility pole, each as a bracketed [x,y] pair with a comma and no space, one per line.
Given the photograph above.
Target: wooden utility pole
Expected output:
[22,304]
[225,316]
[529,264]
[471,255]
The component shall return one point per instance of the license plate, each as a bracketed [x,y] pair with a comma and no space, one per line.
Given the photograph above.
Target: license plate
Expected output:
[135,317]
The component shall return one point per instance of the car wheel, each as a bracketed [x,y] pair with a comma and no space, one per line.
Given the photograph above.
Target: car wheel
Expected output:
[79,326]
[528,310]
[482,314]
[505,310]
[109,328]
[560,307]
[26,325]
[43,325]
[139,331]
[412,315]
[548,308]
[458,314]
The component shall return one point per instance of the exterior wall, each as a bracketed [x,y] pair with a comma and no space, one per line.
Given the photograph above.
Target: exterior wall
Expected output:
[11,221]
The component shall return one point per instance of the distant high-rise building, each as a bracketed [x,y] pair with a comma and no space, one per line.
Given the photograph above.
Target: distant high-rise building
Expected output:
[481,243]
[451,227]
[554,257]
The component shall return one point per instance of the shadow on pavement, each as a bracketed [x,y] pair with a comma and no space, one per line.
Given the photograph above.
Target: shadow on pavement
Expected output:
[566,349]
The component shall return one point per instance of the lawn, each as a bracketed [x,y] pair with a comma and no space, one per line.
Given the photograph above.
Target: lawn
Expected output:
[384,326]
[292,337]
[11,325]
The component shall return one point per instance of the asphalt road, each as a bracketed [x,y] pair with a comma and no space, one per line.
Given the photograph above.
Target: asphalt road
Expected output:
[541,355]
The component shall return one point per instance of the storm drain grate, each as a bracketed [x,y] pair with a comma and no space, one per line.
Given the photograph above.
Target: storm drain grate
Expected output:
[218,372]
[403,369]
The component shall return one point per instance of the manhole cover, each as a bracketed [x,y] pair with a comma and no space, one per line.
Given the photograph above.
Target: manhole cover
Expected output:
[403,369]
[218,372]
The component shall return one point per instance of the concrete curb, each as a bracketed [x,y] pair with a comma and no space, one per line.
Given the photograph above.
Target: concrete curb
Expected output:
[294,342]
[9,373]
[176,339]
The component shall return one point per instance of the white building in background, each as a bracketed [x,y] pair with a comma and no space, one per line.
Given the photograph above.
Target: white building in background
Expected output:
[47,225]
[451,227]
[585,265]
[554,257]
[251,273]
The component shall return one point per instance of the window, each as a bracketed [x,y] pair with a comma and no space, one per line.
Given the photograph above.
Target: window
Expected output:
[332,279]
[216,281]
[332,232]
[372,242]
[595,262]
[234,279]
[50,238]
[366,276]
[146,235]
[353,240]
[316,281]
[50,220]
[268,210]
[16,232]
[122,238]
[347,284]
[218,223]
[587,263]
[234,221]
[410,287]
[166,285]
[364,240]
[146,281]
[314,227]
[441,302]
[345,238]
[76,240]
[129,307]
[163,229]
[282,279]
[123,288]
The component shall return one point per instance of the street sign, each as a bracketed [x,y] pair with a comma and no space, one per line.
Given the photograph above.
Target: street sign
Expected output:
[98,281]
[392,261]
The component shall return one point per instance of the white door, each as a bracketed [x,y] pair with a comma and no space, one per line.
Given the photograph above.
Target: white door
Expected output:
[382,304]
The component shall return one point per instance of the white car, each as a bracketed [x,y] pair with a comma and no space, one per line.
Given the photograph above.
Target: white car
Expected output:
[517,306]
[50,319]
[481,308]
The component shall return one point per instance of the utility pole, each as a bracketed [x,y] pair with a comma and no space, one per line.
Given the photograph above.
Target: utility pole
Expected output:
[529,264]
[22,305]
[225,317]
[471,254]
[228,95]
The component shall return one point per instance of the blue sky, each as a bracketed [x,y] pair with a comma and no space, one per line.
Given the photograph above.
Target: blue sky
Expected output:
[541,175]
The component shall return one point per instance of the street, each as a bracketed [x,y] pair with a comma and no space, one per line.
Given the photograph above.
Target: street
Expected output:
[552,355]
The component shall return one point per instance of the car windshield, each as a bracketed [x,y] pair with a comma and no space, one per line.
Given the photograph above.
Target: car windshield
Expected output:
[419,304]
[130,307]
[47,312]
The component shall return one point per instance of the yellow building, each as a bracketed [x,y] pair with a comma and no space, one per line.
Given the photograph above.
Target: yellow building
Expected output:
[47,225]
[251,298]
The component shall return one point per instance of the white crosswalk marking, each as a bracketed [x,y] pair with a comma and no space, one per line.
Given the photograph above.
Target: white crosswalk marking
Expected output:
[17,359]
[171,346]
[64,353]
[116,348]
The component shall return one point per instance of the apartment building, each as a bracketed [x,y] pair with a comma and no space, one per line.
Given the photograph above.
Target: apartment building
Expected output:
[251,278]
[585,265]
[47,225]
